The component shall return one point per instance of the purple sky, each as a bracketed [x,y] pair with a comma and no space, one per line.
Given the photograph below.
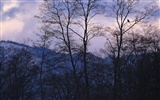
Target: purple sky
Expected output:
[17,19]
[18,22]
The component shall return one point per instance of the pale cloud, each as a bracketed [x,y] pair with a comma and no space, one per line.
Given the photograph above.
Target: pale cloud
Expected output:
[12,26]
[22,24]
[158,3]
[8,5]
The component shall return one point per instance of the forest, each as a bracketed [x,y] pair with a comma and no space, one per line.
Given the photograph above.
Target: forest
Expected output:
[60,66]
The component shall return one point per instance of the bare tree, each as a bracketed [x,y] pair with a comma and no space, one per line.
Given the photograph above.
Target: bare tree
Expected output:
[44,44]
[62,18]
[127,15]
[17,75]
[57,18]
[87,11]
[3,59]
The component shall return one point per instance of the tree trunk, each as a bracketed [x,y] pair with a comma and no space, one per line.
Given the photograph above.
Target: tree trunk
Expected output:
[86,72]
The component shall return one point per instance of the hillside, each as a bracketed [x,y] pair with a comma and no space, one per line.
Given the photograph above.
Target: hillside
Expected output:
[28,72]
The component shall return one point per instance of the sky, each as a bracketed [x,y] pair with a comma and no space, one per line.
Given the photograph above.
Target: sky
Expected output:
[17,19]
[19,24]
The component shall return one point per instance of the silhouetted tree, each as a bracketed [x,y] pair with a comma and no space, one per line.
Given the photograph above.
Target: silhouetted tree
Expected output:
[18,75]
[61,20]
[121,11]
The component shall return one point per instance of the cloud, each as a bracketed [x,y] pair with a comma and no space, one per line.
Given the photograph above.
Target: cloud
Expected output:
[19,23]
[158,3]
[9,27]
[18,20]
[8,5]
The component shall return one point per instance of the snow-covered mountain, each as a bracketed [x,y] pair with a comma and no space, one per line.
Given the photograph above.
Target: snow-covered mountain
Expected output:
[26,68]
[35,50]
[31,63]
[48,56]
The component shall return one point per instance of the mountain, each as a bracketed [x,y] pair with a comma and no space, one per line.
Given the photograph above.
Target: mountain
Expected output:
[27,72]
[50,58]
[33,49]
[38,51]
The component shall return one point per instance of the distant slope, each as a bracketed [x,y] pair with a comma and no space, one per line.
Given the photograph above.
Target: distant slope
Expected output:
[51,56]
